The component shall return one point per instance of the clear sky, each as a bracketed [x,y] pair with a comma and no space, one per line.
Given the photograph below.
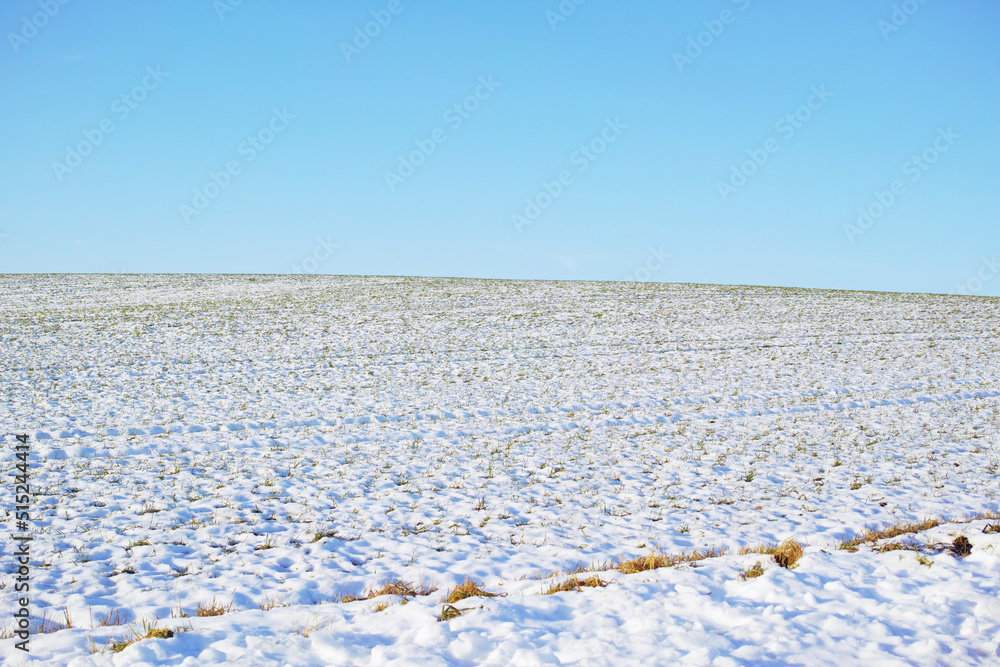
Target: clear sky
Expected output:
[850,144]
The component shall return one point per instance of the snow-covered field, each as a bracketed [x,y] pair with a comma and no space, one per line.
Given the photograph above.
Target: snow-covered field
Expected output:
[274,444]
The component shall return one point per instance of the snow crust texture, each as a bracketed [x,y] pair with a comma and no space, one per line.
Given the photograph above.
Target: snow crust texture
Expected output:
[272,444]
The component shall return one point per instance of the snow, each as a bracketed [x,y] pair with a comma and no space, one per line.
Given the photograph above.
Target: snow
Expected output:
[239,440]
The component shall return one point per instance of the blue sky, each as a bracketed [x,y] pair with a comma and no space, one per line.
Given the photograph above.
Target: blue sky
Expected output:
[730,142]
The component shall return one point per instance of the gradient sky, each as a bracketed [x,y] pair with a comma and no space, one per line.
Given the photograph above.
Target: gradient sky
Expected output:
[929,85]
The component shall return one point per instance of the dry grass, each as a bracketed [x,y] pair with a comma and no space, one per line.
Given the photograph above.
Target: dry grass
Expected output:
[449,612]
[467,589]
[343,596]
[387,587]
[764,549]
[395,587]
[574,584]
[788,553]
[323,534]
[961,547]
[600,566]
[897,546]
[870,535]
[751,572]
[113,617]
[312,624]
[149,631]
[657,560]
[45,626]
[214,608]
[270,603]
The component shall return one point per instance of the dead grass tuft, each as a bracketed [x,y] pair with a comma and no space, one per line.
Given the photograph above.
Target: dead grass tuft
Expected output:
[270,603]
[574,584]
[396,587]
[311,624]
[961,547]
[788,553]
[449,612]
[46,625]
[751,572]
[657,560]
[763,549]
[987,515]
[870,535]
[323,534]
[214,608]
[149,631]
[113,617]
[467,589]
[897,546]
